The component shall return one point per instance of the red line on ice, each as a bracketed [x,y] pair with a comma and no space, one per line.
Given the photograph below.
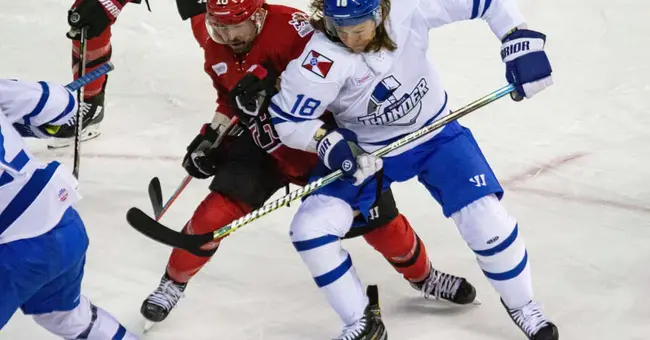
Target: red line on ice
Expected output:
[514,184]
[50,154]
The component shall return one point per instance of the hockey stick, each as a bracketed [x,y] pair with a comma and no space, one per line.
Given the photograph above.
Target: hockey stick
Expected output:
[90,77]
[192,243]
[155,191]
[80,97]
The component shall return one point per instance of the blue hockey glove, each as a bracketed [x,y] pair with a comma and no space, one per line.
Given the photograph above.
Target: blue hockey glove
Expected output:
[339,151]
[527,66]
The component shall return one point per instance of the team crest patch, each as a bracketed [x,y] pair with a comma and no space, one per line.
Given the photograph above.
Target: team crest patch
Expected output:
[220,68]
[300,21]
[317,63]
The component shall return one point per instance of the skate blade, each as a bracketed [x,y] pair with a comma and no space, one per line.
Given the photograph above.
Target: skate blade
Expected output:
[65,142]
[148,325]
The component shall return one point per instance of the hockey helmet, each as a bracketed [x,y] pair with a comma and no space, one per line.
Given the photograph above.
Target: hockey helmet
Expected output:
[230,20]
[339,13]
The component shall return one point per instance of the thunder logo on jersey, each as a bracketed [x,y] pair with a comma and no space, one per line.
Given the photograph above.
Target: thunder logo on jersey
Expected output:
[396,111]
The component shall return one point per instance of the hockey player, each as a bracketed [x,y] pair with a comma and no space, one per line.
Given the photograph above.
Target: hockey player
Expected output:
[367,64]
[43,241]
[238,37]
[97,16]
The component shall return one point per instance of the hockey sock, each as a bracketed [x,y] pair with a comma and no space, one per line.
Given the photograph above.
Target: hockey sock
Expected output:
[402,248]
[213,213]
[493,235]
[98,52]
[86,321]
[315,232]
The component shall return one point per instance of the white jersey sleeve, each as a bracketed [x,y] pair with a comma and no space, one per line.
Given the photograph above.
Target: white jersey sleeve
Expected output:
[501,15]
[33,194]
[308,86]
[36,104]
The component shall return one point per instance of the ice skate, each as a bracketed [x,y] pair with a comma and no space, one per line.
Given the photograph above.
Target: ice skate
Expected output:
[439,285]
[532,322]
[92,113]
[370,326]
[157,306]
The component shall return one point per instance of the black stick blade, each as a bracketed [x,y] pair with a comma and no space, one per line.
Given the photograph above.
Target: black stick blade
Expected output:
[160,233]
[155,195]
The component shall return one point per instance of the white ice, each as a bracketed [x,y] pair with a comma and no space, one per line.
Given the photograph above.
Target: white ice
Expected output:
[574,162]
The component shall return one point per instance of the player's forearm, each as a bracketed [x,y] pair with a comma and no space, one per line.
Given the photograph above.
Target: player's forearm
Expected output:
[503,16]
[301,135]
[36,104]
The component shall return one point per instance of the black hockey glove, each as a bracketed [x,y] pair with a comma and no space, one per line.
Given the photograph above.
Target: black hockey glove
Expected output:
[252,94]
[190,8]
[96,15]
[201,158]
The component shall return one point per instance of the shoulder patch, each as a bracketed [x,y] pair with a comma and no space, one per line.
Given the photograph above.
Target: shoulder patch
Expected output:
[317,63]
[220,68]
[300,21]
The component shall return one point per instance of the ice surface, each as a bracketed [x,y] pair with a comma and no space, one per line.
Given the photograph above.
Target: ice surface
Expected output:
[574,162]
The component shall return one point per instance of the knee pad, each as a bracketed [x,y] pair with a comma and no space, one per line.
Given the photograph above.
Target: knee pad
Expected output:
[321,215]
[493,234]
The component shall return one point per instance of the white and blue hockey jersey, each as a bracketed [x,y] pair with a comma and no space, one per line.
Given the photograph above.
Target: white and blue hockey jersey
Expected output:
[33,194]
[384,95]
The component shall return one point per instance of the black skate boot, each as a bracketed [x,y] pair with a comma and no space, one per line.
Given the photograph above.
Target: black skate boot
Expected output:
[439,285]
[532,322]
[370,326]
[92,113]
[159,304]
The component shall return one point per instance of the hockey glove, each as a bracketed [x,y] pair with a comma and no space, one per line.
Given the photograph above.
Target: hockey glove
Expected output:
[201,158]
[339,151]
[527,66]
[252,94]
[96,15]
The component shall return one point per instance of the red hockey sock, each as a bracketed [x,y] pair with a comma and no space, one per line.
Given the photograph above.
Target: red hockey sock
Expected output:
[98,52]
[213,213]
[402,248]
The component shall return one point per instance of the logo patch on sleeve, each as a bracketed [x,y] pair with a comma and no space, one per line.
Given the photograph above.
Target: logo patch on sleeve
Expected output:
[220,68]
[300,21]
[317,63]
